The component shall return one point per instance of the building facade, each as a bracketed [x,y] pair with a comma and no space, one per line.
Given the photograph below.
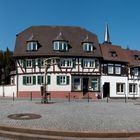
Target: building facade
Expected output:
[71,60]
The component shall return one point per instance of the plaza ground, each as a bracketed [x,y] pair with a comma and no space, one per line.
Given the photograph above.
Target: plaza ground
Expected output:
[76,115]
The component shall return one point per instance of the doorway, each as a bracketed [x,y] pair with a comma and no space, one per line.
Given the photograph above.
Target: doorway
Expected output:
[85,85]
[106,89]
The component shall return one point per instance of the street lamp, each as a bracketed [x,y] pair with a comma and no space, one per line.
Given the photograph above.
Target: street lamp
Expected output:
[47,63]
[133,78]
[3,78]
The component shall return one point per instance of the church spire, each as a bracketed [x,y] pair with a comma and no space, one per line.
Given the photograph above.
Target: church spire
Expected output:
[106,35]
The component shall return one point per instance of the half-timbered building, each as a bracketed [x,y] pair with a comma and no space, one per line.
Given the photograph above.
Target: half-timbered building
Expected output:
[114,79]
[77,72]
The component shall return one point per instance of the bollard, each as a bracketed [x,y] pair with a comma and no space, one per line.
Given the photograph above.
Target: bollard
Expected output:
[88,97]
[107,98]
[125,99]
[31,96]
[13,96]
[69,97]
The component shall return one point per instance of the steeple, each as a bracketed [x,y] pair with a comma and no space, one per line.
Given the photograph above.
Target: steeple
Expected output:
[106,35]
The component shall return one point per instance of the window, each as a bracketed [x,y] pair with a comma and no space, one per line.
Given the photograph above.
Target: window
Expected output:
[40,62]
[32,46]
[88,47]
[117,69]
[60,46]
[110,69]
[62,80]
[77,84]
[132,88]
[28,63]
[29,80]
[113,54]
[66,63]
[40,80]
[136,71]
[89,63]
[95,84]
[86,63]
[120,87]
[62,63]
[136,57]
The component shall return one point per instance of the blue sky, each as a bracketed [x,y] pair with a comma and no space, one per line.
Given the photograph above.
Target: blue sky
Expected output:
[122,16]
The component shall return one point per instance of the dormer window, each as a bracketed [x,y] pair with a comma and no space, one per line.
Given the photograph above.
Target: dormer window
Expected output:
[113,54]
[32,46]
[60,43]
[136,57]
[88,47]
[60,46]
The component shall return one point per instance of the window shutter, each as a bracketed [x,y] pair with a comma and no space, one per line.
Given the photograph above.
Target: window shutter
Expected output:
[24,80]
[74,63]
[96,63]
[39,80]
[58,80]
[68,80]
[82,62]
[33,61]
[39,63]
[48,79]
[34,80]
[105,69]
[24,63]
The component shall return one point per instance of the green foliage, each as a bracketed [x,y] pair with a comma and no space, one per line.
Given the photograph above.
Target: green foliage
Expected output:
[6,66]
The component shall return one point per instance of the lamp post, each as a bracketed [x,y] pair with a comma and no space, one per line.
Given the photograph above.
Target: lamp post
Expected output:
[47,63]
[133,78]
[3,78]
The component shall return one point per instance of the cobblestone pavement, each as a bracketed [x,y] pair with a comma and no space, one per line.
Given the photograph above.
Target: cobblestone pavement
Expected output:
[75,115]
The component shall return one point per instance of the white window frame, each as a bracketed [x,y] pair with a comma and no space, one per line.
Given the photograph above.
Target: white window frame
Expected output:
[31,47]
[121,88]
[29,80]
[134,88]
[60,46]
[117,69]
[29,63]
[63,63]
[89,63]
[110,68]
[88,47]
[62,80]
[66,63]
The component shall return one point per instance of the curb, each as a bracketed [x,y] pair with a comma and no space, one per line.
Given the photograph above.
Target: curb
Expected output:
[40,133]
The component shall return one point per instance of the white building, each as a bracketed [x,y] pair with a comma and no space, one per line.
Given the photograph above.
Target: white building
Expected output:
[83,67]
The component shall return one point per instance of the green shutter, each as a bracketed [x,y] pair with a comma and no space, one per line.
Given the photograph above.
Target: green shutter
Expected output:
[24,63]
[96,63]
[48,79]
[39,80]
[58,80]
[24,80]
[68,80]
[82,62]
[39,62]
[34,80]
[33,63]
[74,63]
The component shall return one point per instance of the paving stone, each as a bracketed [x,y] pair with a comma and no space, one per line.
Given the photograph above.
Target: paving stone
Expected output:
[75,115]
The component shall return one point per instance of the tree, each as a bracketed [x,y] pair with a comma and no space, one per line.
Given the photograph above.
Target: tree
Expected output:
[8,64]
